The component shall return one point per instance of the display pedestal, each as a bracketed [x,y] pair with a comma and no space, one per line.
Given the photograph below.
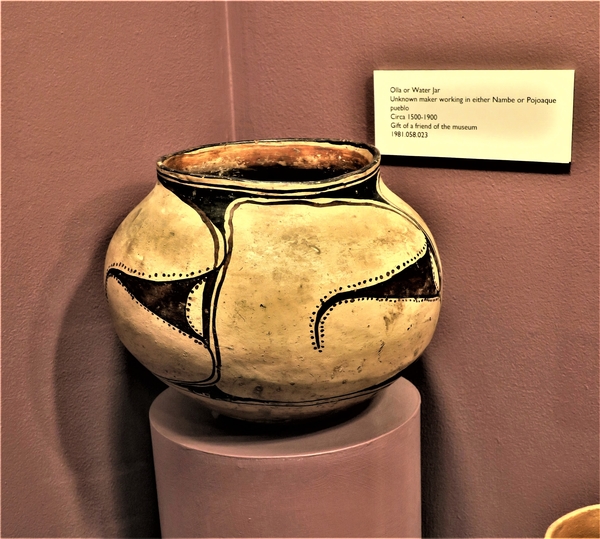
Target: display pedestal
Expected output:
[356,477]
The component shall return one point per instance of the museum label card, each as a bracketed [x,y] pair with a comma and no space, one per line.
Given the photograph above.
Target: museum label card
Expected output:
[516,115]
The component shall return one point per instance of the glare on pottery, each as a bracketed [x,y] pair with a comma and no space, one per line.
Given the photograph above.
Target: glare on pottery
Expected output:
[274,279]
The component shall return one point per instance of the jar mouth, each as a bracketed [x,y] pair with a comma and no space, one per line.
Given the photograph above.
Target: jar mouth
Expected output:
[272,164]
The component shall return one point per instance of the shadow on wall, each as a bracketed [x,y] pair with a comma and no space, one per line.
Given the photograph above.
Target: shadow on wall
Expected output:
[102,398]
[439,472]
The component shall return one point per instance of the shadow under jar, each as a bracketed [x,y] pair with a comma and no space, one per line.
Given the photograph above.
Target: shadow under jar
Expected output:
[274,280]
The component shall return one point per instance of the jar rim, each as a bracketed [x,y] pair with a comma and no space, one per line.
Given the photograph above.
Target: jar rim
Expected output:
[224,164]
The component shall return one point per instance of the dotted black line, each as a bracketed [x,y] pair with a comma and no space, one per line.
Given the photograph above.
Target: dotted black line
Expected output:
[389,273]
[155,315]
[321,329]
[378,278]
[189,305]
[127,269]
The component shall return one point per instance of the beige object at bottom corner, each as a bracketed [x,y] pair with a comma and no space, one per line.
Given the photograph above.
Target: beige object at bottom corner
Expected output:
[581,523]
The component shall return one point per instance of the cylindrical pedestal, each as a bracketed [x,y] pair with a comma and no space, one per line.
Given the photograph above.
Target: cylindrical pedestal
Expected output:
[359,477]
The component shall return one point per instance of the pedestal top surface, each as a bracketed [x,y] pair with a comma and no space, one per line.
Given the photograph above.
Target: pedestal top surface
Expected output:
[186,422]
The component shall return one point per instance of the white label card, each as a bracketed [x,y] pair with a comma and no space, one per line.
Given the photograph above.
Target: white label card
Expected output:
[515,115]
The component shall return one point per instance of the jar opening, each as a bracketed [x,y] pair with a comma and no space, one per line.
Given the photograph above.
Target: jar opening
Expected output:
[290,161]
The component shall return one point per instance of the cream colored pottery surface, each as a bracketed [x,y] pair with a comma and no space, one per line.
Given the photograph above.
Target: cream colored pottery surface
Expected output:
[269,300]
[578,524]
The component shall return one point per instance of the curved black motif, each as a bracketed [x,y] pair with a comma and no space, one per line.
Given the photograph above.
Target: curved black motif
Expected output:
[405,281]
[417,278]
[214,393]
[168,300]
[213,202]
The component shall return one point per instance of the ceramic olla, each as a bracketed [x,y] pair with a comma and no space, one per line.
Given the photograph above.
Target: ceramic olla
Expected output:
[274,279]
[579,524]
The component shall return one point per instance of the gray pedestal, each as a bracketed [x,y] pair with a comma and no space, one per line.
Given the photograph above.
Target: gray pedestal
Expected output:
[359,477]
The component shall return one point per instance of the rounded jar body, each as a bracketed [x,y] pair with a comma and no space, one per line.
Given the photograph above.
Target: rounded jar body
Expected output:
[274,280]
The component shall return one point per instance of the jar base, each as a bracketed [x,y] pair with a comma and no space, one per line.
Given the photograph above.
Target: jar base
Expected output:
[281,413]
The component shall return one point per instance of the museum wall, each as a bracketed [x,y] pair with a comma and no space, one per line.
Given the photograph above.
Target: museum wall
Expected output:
[93,93]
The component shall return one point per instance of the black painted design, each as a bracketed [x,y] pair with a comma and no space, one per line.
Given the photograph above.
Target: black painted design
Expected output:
[213,392]
[213,202]
[198,330]
[195,337]
[157,275]
[410,279]
[415,281]
[129,270]
[166,299]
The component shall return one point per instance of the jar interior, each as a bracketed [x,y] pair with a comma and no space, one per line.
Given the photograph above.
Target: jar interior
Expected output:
[583,524]
[289,161]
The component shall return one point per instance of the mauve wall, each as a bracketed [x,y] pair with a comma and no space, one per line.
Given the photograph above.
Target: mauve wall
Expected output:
[94,92]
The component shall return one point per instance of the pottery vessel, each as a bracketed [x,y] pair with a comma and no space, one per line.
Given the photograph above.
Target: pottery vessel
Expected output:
[581,523]
[275,279]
